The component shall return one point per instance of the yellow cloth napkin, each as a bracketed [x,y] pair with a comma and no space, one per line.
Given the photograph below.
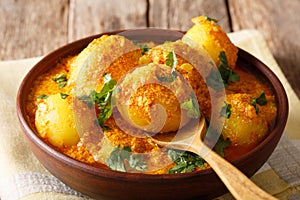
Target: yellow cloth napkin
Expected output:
[23,177]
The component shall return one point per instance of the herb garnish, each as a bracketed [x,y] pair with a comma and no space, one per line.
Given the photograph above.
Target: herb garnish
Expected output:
[185,161]
[102,99]
[210,19]
[119,156]
[260,100]
[63,95]
[171,61]
[61,80]
[143,47]
[226,72]
[192,107]
[226,110]
[42,96]
[214,80]
[168,79]
[221,145]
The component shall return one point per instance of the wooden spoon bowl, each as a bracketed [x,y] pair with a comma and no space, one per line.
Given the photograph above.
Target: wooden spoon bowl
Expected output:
[240,186]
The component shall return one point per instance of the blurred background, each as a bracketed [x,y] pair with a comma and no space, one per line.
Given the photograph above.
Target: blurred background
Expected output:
[31,28]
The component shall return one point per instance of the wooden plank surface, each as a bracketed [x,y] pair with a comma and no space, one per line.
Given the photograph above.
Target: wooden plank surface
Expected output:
[32,27]
[90,17]
[177,14]
[279,22]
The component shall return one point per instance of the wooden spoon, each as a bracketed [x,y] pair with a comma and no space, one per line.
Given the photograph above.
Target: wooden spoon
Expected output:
[239,185]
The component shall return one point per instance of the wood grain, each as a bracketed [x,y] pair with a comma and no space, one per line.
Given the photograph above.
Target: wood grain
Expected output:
[276,20]
[32,28]
[90,17]
[177,14]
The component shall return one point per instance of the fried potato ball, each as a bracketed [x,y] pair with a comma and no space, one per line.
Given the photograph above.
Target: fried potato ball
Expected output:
[245,125]
[145,101]
[212,38]
[54,121]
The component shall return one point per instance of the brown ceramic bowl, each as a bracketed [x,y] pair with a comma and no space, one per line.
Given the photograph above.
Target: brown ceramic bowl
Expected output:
[107,184]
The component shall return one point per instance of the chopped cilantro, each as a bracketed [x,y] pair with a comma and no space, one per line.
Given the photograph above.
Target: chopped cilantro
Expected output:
[61,80]
[89,99]
[137,162]
[214,80]
[116,159]
[119,156]
[192,107]
[260,100]
[171,59]
[63,96]
[185,161]
[226,72]
[210,19]
[225,110]
[221,145]
[102,99]
[143,47]
[168,79]
[188,162]
[42,96]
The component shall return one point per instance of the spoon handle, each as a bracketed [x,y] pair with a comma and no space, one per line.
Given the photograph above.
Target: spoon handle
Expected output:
[239,185]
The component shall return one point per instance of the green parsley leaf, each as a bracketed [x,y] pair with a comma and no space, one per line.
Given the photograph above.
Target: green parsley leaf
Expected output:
[42,96]
[192,107]
[214,80]
[102,99]
[185,161]
[233,77]
[61,80]
[225,110]
[88,99]
[137,162]
[221,145]
[118,156]
[210,19]
[116,159]
[168,79]
[171,59]
[260,100]
[143,47]
[227,73]
[63,96]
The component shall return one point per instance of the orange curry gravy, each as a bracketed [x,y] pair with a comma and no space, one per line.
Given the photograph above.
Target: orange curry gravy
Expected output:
[45,85]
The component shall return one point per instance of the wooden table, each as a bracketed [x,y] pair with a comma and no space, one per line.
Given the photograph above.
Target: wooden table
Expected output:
[30,28]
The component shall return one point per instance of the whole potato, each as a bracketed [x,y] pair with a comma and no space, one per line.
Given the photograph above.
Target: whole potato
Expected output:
[209,35]
[149,104]
[245,125]
[55,122]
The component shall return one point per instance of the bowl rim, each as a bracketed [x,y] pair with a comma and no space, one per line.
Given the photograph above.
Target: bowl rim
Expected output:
[112,174]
